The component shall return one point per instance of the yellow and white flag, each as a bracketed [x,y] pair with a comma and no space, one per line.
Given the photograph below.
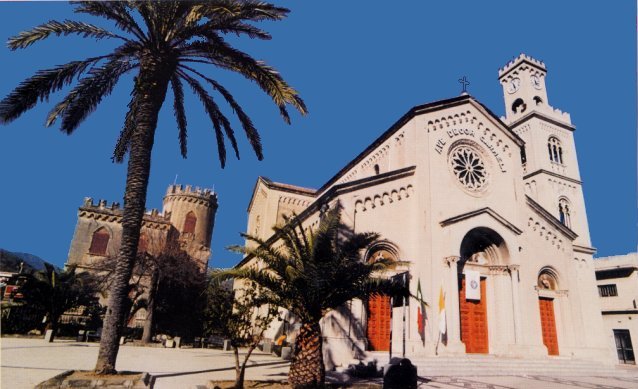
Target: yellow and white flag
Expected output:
[442,321]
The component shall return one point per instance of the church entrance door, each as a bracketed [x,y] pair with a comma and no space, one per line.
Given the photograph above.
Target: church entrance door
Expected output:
[379,323]
[548,325]
[474,321]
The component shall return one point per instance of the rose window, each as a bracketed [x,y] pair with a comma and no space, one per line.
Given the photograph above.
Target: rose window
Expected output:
[469,168]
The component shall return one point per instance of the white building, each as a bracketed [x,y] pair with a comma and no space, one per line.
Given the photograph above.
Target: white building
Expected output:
[617,279]
[460,193]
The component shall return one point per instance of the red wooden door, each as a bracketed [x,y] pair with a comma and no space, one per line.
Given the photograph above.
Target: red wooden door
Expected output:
[379,323]
[474,321]
[548,325]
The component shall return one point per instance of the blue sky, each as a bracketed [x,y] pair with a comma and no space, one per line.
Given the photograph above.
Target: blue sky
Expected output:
[359,66]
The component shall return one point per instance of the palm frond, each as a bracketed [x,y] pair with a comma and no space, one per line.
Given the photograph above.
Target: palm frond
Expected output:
[244,10]
[247,124]
[40,86]
[66,27]
[213,112]
[267,78]
[117,11]
[84,98]
[123,144]
[180,114]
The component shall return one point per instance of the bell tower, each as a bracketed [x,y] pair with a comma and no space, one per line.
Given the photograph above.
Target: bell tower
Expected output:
[551,173]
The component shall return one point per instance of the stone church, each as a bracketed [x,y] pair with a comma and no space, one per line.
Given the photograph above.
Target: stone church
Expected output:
[188,217]
[488,213]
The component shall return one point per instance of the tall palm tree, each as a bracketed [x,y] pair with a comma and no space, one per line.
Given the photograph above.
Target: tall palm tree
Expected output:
[312,273]
[163,42]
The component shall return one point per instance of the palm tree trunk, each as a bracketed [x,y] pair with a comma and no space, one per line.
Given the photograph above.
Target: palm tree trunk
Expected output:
[150,308]
[150,88]
[307,369]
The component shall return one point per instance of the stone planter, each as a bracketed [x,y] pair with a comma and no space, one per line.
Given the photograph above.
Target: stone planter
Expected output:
[83,379]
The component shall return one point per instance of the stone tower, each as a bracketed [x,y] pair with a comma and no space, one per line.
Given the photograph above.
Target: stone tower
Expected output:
[191,211]
[551,172]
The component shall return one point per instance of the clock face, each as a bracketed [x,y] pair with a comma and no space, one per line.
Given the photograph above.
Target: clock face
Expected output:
[514,85]
[536,82]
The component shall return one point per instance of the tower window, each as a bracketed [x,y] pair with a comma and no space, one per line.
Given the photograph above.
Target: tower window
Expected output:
[189,223]
[519,106]
[142,245]
[607,290]
[100,242]
[555,150]
[564,212]
[376,169]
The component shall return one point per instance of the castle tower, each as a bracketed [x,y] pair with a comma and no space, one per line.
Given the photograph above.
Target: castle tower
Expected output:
[551,173]
[192,213]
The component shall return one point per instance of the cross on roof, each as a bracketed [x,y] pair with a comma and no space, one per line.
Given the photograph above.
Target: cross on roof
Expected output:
[463,81]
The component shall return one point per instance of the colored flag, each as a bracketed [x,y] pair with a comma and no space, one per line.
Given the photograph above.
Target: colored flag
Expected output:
[442,322]
[421,314]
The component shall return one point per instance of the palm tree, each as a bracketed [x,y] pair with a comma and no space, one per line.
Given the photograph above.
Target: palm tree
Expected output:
[311,274]
[54,293]
[171,38]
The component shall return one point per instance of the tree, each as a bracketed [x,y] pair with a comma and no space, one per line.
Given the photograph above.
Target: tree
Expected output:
[313,273]
[174,38]
[241,316]
[57,292]
[166,282]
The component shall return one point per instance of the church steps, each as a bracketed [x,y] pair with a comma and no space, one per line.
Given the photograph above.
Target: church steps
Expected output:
[482,366]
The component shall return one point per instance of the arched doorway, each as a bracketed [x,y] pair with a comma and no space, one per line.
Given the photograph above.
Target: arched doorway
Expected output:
[548,281]
[483,251]
[379,310]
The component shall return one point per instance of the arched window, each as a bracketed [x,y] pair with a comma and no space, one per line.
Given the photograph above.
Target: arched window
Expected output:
[519,106]
[189,223]
[376,169]
[547,279]
[555,150]
[100,242]
[564,212]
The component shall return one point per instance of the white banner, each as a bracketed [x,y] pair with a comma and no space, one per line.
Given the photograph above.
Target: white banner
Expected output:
[472,285]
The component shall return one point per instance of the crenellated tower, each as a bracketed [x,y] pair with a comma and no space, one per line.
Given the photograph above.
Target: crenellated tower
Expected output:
[551,173]
[192,213]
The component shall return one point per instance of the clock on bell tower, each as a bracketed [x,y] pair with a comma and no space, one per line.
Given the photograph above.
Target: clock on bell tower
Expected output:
[523,86]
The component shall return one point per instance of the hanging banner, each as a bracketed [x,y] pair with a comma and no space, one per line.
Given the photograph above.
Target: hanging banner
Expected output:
[472,285]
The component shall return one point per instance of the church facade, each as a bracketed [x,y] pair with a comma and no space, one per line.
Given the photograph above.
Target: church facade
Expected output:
[490,217]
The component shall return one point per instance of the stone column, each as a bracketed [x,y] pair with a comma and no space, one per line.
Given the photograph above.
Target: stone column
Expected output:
[454,344]
[516,304]
[502,334]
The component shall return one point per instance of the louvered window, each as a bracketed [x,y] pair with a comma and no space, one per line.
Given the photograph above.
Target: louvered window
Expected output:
[142,246]
[189,223]
[100,242]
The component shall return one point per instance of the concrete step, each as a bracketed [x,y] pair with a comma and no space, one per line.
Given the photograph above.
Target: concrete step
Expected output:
[493,366]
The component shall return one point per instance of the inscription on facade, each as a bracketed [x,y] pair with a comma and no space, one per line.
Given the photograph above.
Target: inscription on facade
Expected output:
[438,147]
[494,152]
[455,132]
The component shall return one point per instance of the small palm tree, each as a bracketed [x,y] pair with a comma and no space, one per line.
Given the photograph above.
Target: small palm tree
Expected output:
[313,273]
[171,38]
[55,293]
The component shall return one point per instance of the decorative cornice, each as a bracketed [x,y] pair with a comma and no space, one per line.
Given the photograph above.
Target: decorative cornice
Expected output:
[584,249]
[481,211]
[299,190]
[550,218]
[337,191]
[539,171]
[539,115]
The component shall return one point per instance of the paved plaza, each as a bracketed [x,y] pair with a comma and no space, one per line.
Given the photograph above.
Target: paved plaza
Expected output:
[26,362]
